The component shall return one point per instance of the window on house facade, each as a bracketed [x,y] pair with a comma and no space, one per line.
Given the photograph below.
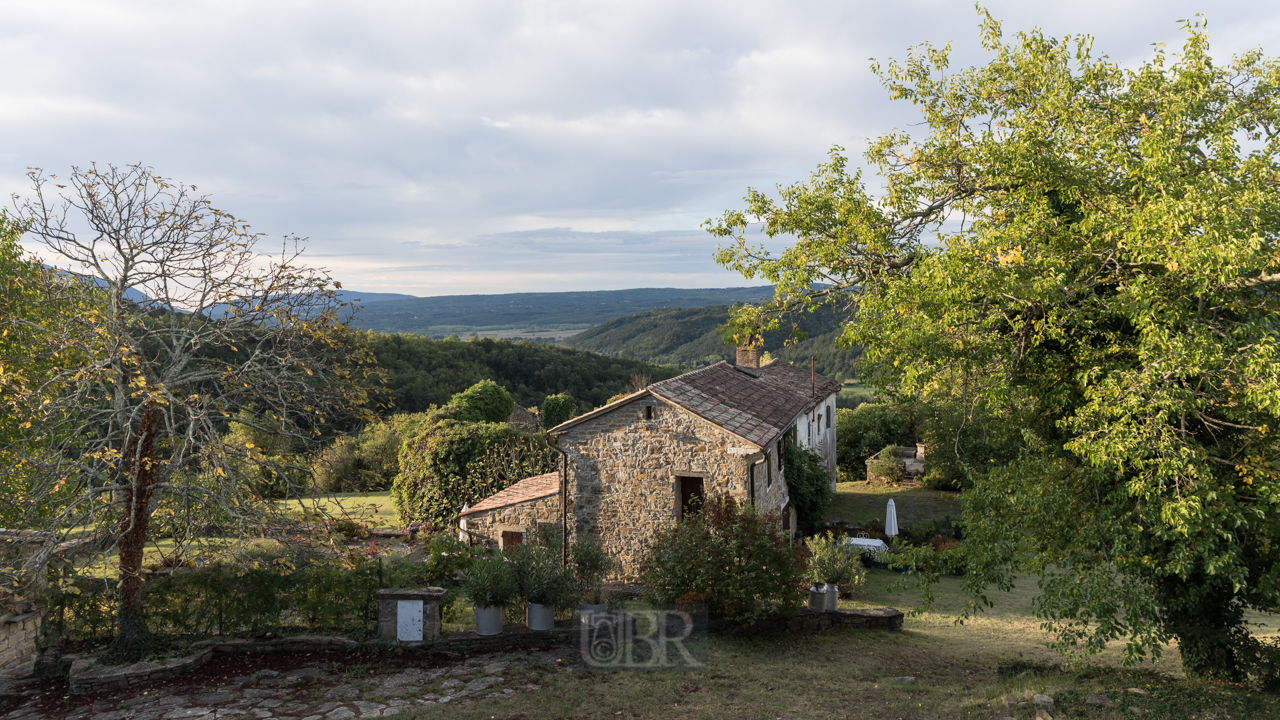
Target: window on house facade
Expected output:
[691,495]
[511,538]
[828,417]
[768,471]
[648,412]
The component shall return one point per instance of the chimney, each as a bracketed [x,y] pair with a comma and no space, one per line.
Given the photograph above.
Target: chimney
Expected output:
[749,357]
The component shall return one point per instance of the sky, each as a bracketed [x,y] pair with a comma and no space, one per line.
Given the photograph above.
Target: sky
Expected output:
[494,146]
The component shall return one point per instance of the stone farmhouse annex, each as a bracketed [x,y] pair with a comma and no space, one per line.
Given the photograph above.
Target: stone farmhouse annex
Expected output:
[645,460]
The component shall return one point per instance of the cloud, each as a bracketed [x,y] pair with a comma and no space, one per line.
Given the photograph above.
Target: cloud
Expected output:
[407,135]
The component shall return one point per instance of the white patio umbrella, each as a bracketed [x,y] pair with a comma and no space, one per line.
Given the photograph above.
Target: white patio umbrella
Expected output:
[891,520]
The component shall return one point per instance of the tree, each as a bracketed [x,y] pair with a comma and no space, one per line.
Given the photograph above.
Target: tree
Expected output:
[557,409]
[182,326]
[1087,257]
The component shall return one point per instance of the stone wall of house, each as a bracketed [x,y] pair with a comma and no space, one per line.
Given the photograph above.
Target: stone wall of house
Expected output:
[624,469]
[486,527]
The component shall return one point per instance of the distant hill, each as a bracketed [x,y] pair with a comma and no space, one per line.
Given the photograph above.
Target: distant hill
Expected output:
[690,337]
[448,314]
[422,371]
[371,297]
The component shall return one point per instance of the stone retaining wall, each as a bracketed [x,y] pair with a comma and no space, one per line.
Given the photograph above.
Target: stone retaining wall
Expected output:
[18,639]
[114,677]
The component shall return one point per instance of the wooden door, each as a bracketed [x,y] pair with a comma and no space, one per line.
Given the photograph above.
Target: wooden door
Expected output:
[511,539]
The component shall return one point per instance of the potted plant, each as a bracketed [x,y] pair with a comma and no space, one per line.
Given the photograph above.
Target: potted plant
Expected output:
[590,566]
[831,564]
[490,585]
[544,585]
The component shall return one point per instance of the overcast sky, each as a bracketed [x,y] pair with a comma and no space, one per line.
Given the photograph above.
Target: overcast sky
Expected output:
[438,148]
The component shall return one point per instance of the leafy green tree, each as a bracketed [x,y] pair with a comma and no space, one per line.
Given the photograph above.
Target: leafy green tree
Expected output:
[486,401]
[864,430]
[1088,256]
[367,461]
[558,408]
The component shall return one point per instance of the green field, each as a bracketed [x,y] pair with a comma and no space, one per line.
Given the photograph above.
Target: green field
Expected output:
[860,502]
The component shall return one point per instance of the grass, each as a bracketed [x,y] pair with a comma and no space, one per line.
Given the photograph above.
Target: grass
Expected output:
[374,508]
[851,674]
[853,394]
[860,501]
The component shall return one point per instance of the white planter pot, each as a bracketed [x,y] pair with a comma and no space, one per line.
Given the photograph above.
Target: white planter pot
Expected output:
[832,598]
[539,617]
[590,608]
[817,598]
[489,620]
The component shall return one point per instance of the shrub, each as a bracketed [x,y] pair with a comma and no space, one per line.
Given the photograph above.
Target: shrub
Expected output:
[542,579]
[808,486]
[869,427]
[887,467]
[590,566]
[368,461]
[741,562]
[484,402]
[449,464]
[558,408]
[285,590]
[491,582]
[832,562]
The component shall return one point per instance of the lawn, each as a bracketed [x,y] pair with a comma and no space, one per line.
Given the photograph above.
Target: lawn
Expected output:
[374,508]
[850,674]
[860,501]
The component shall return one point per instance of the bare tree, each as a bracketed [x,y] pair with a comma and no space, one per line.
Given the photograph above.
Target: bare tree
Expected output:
[182,326]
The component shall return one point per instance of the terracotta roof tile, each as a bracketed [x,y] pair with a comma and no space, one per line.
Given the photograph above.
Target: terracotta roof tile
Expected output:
[532,488]
[787,376]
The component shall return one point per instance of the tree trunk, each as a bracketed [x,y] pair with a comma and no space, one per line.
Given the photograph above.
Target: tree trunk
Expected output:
[133,639]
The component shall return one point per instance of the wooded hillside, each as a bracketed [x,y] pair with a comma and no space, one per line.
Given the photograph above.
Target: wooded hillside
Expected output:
[423,371]
[690,337]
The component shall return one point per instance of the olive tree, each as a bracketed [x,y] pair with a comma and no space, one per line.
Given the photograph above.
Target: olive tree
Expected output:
[182,325]
[1085,258]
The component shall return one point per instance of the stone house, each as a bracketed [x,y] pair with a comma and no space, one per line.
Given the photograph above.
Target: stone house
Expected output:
[647,459]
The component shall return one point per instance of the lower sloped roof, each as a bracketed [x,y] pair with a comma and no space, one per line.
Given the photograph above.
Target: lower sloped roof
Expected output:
[530,488]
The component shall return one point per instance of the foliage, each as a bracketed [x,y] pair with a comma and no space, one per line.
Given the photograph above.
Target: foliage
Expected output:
[741,563]
[368,461]
[423,372]
[447,556]
[887,467]
[1107,310]
[830,561]
[491,582]
[591,564]
[863,431]
[287,591]
[448,464]
[543,580]
[484,402]
[558,408]
[182,324]
[808,485]
[690,338]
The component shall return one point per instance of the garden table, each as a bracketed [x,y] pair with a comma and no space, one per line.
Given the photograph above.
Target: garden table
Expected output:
[870,546]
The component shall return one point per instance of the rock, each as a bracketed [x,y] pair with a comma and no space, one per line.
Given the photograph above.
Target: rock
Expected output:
[1136,710]
[192,712]
[482,683]
[341,713]
[905,679]
[1137,691]
[342,691]
[305,672]
[497,667]
[1044,701]
[1096,699]
[1010,701]
[451,683]
[1042,714]
[369,709]
[213,698]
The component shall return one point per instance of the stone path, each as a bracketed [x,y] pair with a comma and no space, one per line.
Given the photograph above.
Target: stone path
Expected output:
[332,690]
